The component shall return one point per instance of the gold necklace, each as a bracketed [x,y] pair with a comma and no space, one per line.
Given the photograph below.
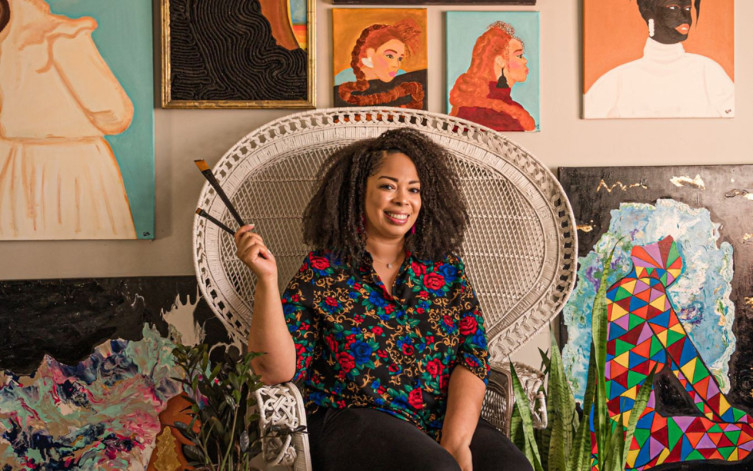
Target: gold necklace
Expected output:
[389,264]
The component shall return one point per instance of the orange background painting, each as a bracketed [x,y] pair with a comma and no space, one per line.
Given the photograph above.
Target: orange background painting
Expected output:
[615,33]
[347,24]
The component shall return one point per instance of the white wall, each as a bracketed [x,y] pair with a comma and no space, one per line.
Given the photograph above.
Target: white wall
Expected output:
[564,140]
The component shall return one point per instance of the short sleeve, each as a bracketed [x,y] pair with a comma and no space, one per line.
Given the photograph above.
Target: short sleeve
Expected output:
[297,306]
[473,352]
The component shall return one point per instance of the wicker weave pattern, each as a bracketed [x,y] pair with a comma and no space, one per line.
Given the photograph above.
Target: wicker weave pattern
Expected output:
[519,249]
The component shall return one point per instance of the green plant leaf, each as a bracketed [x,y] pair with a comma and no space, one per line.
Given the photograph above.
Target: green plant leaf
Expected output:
[580,458]
[530,448]
[193,453]
[641,400]
[561,407]
[599,321]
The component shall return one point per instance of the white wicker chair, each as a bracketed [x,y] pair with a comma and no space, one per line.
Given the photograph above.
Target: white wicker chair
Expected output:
[519,250]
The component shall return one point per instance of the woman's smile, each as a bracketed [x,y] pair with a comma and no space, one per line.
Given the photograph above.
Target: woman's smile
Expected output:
[393,198]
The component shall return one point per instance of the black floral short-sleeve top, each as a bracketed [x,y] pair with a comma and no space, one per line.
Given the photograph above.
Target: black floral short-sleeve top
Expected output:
[358,345]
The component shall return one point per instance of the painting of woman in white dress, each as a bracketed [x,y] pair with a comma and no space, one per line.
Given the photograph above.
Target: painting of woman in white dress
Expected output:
[59,177]
[666,81]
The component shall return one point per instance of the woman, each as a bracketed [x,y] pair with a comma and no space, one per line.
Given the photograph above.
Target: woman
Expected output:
[377,77]
[59,177]
[666,82]
[482,94]
[383,325]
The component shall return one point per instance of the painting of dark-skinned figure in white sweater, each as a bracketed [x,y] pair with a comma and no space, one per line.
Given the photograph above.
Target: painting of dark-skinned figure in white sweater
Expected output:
[658,59]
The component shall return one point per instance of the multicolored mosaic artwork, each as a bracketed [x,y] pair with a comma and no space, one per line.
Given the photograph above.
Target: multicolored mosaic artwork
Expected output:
[644,332]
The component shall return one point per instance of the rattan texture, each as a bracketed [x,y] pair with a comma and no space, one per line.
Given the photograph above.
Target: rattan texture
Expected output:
[519,249]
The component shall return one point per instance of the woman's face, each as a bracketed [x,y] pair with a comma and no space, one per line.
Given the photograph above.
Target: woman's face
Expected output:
[387,60]
[393,198]
[515,68]
[672,20]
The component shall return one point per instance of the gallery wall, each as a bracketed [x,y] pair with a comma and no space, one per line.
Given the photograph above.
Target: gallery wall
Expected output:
[564,140]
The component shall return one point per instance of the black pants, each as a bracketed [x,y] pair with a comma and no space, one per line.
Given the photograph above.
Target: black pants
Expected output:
[370,440]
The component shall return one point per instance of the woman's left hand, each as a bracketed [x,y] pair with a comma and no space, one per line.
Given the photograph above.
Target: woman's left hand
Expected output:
[462,455]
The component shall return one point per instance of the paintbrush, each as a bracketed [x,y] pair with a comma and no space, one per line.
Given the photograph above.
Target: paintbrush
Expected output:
[205,214]
[207,172]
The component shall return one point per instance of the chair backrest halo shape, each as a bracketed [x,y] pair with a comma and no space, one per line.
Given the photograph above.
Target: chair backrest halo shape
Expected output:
[519,249]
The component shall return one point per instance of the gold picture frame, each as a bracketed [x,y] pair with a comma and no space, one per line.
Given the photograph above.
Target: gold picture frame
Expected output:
[192,77]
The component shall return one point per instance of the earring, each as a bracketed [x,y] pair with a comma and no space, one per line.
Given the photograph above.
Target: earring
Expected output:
[366,61]
[413,230]
[651,28]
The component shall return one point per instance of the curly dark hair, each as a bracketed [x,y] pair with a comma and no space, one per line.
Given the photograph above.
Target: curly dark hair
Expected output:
[4,14]
[334,218]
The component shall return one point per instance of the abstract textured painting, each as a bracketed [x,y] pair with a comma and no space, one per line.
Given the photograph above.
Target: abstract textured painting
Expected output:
[678,301]
[86,367]
[238,54]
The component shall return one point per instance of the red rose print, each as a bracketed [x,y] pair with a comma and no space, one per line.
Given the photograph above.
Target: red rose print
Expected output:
[434,281]
[346,361]
[471,362]
[408,349]
[331,343]
[377,330]
[389,308]
[330,301]
[435,367]
[418,268]
[415,398]
[392,368]
[423,294]
[468,325]
[381,354]
[320,263]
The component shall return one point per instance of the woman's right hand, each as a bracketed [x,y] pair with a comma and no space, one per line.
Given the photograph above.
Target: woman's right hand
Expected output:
[251,250]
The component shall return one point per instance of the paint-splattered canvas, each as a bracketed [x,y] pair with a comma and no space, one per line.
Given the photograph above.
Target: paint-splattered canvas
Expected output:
[380,57]
[238,54]
[76,120]
[493,71]
[658,59]
[86,368]
[679,298]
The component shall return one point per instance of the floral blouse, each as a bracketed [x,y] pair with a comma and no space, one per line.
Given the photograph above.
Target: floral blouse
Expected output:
[358,345]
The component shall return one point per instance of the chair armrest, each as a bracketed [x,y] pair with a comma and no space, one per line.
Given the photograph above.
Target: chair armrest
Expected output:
[280,412]
[499,400]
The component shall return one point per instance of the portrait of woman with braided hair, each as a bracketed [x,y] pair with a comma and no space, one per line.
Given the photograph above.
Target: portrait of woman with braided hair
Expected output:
[376,72]
[483,93]
[665,81]
[381,324]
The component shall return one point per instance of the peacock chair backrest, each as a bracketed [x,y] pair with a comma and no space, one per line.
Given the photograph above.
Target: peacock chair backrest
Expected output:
[519,249]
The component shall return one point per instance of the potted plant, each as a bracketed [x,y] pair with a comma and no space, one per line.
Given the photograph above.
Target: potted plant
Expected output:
[223,430]
[566,444]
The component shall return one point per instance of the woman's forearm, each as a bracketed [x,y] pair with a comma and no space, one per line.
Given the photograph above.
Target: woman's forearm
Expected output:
[269,334]
[465,396]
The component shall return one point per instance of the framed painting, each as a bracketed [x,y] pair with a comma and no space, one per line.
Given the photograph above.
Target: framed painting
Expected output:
[238,54]
[493,73]
[76,120]
[658,59]
[380,57]
[679,299]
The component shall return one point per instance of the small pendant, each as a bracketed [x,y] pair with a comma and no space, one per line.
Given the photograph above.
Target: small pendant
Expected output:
[389,265]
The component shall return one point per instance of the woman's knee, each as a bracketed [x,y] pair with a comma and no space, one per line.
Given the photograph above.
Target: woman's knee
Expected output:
[493,451]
